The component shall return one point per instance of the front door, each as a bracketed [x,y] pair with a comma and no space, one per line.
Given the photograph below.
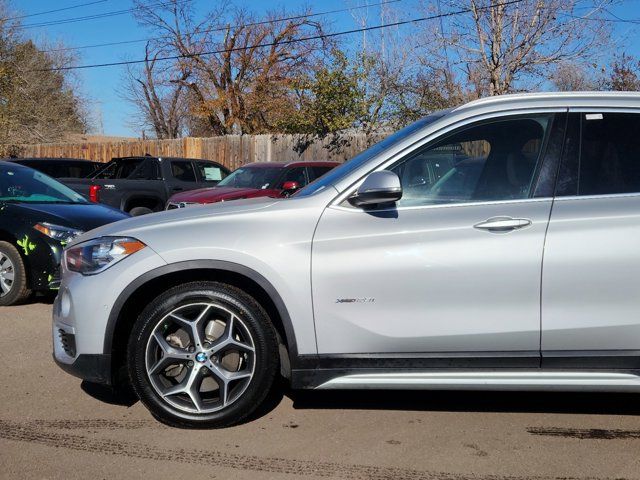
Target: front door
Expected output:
[455,265]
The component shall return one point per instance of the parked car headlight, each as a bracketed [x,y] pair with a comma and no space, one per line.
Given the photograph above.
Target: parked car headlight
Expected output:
[97,255]
[57,232]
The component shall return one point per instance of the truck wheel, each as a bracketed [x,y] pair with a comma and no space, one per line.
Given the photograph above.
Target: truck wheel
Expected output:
[137,211]
[203,354]
[13,276]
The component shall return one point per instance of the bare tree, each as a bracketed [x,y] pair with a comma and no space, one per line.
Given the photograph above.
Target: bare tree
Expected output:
[160,96]
[240,68]
[502,46]
[575,76]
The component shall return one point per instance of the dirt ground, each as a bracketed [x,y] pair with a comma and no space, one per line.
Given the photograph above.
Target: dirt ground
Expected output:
[54,426]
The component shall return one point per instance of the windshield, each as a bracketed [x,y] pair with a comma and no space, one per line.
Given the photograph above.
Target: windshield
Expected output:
[351,165]
[259,178]
[24,185]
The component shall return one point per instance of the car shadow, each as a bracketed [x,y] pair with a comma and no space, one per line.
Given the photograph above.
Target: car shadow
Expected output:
[468,401]
[123,396]
[126,397]
[45,298]
[417,401]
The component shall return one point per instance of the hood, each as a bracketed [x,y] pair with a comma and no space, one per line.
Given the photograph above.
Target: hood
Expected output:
[83,216]
[216,194]
[130,226]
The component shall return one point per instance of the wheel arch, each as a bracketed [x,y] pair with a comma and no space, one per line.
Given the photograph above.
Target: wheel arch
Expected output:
[7,237]
[152,202]
[138,293]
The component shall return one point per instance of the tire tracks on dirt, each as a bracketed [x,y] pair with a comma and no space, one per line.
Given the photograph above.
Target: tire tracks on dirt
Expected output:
[585,433]
[32,432]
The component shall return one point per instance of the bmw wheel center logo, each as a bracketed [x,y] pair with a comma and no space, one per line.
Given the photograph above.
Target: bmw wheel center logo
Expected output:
[201,357]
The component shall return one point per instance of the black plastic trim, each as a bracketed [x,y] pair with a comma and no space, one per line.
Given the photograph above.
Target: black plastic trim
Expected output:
[547,175]
[94,368]
[313,370]
[594,359]
[199,265]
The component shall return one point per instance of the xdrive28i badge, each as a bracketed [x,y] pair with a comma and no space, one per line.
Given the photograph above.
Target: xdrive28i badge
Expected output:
[356,300]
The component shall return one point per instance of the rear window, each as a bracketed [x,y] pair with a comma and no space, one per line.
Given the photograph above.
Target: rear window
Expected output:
[119,168]
[130,168]
[610,158]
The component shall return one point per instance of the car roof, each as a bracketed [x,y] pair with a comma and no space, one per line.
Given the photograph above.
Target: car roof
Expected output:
[50,159]
[162,157]
[295,163]
[554,99]
[12,164]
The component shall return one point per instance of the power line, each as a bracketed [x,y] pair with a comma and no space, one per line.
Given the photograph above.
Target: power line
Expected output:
[616,19]
[286,42]
[93,17]
[296,17]
[55,11]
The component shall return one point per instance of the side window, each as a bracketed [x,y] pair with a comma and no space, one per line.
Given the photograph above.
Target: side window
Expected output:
[317,172]
[210,172]
[294,175]
[183,170]
[494,160]
[609,154]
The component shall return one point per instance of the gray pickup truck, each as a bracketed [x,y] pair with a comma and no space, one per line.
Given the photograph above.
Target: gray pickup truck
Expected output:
[141,185]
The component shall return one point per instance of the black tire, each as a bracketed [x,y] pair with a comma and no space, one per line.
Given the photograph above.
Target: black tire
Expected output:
[266,357]
[19,290]
[137,211]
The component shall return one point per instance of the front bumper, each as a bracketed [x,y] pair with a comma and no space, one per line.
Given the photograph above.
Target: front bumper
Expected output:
[95,368]
[81,314]
[43,261]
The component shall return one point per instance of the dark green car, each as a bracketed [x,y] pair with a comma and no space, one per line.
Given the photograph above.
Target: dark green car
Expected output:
[38,216]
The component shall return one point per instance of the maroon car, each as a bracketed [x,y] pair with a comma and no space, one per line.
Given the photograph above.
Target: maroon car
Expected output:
[262,179]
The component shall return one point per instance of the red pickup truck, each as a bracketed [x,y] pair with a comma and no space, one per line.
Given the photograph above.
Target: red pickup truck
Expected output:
[261,179]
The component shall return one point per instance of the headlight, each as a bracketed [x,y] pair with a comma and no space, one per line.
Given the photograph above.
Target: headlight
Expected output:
[62,234]
[97,255]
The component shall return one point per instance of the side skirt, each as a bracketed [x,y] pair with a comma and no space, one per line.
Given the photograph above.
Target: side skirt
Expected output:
[477,371]
[524,380]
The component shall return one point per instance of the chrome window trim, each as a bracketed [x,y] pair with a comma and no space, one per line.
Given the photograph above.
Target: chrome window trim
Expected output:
[598,197]
[444,205]
[595,109]
[434,135]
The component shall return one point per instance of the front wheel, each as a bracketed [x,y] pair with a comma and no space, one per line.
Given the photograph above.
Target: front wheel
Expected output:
[203,354]
[13,276]
[137,211]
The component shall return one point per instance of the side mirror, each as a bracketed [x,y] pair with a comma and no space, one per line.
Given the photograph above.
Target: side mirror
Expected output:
[289,187]
[379,187]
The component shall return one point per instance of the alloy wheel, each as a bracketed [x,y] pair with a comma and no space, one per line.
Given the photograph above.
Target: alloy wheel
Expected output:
[7,274]
[200,357]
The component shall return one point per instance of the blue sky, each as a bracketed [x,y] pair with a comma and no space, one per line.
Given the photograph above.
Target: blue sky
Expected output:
[102,84]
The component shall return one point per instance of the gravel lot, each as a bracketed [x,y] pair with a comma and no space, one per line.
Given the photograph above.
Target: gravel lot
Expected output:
[52,426]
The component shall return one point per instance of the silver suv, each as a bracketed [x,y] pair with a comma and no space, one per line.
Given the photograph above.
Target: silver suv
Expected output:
[491,246]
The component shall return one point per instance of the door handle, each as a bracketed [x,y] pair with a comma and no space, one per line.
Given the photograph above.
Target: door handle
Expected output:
[502,224]
[177,189]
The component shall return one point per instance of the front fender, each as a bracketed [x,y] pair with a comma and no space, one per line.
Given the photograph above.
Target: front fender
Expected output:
[200,265]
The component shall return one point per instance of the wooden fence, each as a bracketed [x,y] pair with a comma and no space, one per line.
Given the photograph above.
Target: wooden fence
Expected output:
[231,150]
